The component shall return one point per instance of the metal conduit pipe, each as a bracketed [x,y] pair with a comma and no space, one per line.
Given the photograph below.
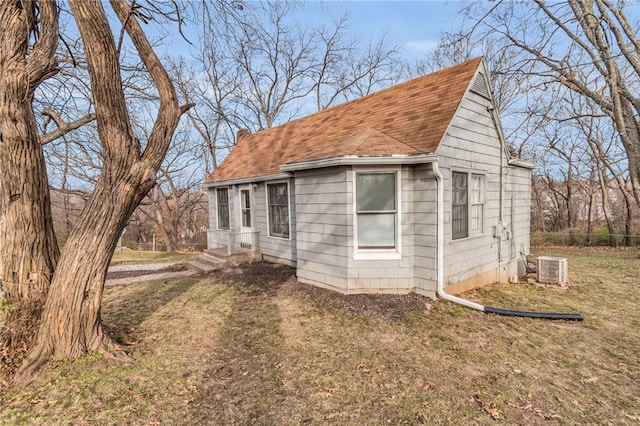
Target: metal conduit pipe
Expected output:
[469,303]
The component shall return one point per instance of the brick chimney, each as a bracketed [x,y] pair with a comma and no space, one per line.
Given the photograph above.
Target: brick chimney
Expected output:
[242,133]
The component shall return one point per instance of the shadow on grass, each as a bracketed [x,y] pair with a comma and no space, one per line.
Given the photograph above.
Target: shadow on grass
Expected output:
[244,384]
[123,314]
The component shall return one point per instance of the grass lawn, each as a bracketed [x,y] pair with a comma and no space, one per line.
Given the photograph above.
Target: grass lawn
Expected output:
[252,346]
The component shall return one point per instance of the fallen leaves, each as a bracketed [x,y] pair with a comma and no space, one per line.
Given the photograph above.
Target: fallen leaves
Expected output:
[528,407]
[489,407]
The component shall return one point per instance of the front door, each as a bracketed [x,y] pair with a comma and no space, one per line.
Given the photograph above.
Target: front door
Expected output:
[245,218]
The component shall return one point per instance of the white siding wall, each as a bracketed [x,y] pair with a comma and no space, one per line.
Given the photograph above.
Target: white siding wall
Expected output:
[472,144]
[323,226]
[391,276]
[518,190]
[218,237]
[325,230]
[275,248]
[425,229]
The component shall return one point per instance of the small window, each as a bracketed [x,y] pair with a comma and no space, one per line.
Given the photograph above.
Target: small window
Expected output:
[278,202]
[477,203]
[376,210]
[459,205]
[245,208]
[222,197]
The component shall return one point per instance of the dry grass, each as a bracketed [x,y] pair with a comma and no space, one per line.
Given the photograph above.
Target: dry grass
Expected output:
[252,346]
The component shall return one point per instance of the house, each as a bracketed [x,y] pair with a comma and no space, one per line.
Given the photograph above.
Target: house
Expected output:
[389,193]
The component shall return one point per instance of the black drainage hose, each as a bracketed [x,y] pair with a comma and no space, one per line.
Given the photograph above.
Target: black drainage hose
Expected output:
[526,314]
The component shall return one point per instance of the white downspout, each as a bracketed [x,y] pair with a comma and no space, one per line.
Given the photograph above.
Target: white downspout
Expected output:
[440,246]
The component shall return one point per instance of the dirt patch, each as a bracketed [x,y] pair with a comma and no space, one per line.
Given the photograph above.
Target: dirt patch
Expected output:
[263,276]
[382,306]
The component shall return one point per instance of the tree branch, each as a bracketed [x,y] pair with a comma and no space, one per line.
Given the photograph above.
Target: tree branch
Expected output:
[63,126]
[41,62]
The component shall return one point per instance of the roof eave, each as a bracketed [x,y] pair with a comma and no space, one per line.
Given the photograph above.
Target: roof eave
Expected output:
[517,162]
[246,180]
[354,160]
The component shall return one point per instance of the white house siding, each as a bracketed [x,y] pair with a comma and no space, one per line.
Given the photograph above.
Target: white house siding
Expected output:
[472,144]
[323,226]
[325,234]
[275,249]
[382,275]
[518,192]
[425,230]
[219,237]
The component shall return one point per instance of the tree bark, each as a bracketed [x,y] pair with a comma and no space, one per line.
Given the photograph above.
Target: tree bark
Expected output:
[28,248]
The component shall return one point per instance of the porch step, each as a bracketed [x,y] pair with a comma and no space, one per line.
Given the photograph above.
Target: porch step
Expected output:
[205,263]
[219,253]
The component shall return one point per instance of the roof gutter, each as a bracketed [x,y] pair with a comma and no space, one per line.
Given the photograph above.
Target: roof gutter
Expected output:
[354,160]
[469,303]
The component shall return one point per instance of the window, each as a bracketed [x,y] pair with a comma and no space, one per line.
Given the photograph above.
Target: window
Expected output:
[477,203]
[245,208]
[459,205]
[467,204]
[376,210]
[278,202]
[222,196]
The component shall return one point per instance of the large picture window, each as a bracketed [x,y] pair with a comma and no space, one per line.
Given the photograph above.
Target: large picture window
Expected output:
[278,202]
[467,204]
[222,198]
[376,210]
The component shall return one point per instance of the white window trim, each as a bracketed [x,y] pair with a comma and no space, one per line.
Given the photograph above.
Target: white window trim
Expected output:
[218,210]
[378,254]
[483,195]
[470,233]
[252,219]
[266,197]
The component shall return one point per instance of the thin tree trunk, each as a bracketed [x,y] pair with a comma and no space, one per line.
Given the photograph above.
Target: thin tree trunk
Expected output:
[157,206]
[628,220]
[590,219]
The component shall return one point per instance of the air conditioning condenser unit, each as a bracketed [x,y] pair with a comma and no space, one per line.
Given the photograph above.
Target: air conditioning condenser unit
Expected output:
[553,270]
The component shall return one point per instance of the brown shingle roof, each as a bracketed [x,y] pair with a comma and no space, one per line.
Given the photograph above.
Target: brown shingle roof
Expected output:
[408,118]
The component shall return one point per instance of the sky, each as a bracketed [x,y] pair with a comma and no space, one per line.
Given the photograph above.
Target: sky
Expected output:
[415,25]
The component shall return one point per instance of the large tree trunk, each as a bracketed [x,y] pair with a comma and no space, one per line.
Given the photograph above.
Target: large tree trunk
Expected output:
[28,247]
[70,324]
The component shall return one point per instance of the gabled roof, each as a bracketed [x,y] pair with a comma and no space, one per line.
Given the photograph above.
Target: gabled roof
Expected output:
[409,118]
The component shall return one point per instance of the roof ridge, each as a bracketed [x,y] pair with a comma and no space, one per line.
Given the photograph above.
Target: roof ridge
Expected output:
[397,86]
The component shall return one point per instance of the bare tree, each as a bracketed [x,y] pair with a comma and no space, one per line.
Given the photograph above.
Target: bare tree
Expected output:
[257,67]
[587,46]
[172,203]
[70,324]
